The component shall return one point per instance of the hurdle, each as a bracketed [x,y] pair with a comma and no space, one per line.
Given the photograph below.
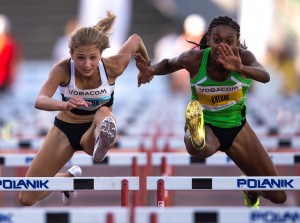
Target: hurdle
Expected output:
[173,159]
[130,159]
[163,184]
[271,143]
[191,214]
[123,184]
[155,141]
[65,215]
[81,159]
[126,159]
[219,159]
[225,183]
[149,159]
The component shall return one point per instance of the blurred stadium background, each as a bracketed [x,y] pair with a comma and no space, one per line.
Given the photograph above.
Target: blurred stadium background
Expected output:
[152,114]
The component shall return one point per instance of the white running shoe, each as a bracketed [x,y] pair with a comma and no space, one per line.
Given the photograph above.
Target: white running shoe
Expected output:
[106,139]
[68,196]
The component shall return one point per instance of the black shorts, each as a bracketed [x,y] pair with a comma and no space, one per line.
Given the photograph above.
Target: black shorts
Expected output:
[226,136]
[73,131]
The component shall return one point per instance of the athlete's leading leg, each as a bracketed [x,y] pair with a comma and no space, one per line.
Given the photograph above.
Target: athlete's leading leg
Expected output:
[250,156]
[101,136]
[199,139]
[51,157]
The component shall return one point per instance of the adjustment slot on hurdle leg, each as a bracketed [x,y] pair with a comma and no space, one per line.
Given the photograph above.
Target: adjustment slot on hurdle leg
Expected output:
[153,218]
[125,194]
[135,173]
[160,193]
[110,218]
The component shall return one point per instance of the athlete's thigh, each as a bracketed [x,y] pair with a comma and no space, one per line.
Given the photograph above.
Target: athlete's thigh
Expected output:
[250,156]
[88,139]
[211,144]
[52,156]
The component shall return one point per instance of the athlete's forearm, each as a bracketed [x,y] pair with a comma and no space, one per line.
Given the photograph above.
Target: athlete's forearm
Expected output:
[164,67]
[256,73]
[49,104]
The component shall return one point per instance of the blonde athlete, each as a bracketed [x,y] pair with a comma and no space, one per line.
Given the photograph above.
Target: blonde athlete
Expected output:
[85,121]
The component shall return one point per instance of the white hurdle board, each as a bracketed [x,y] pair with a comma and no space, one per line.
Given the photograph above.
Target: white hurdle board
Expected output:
[220,159]
[126,159]
[66,183]
[63,215]
[134,142]
[225,183]
[269,142]
[187,214]
[113,159]
[219,215]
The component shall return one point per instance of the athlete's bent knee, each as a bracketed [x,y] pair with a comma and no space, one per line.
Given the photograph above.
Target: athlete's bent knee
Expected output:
[104,110]
[26,200]
[195,152]
[279,198]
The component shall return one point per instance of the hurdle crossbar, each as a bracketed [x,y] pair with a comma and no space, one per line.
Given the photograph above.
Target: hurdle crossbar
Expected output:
[190,214]
[218,214]
[225,183]
[64,215]
[270,142]
[219,159]
[67,183]
[113,159]
[125,159]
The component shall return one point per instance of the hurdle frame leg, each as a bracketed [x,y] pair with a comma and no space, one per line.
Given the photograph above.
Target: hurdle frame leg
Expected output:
[153,218]
[160,194]
[125,194]
[110,218]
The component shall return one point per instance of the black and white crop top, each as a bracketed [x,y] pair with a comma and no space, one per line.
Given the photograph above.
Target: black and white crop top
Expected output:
[101,96]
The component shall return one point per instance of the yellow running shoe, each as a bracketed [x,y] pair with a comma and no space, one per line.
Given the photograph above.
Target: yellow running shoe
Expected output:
[251,201]
[195,123]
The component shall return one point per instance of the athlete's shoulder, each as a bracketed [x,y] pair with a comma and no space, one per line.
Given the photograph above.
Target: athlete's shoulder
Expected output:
[247,56]
[62,65]
[61,71]
[245,53]
[194,52]
[192,55]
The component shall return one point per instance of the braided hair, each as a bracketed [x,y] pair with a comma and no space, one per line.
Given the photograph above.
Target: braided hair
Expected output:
[221,20]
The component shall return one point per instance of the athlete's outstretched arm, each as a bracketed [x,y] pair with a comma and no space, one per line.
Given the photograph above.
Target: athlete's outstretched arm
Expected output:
[166,66]
[119,62]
